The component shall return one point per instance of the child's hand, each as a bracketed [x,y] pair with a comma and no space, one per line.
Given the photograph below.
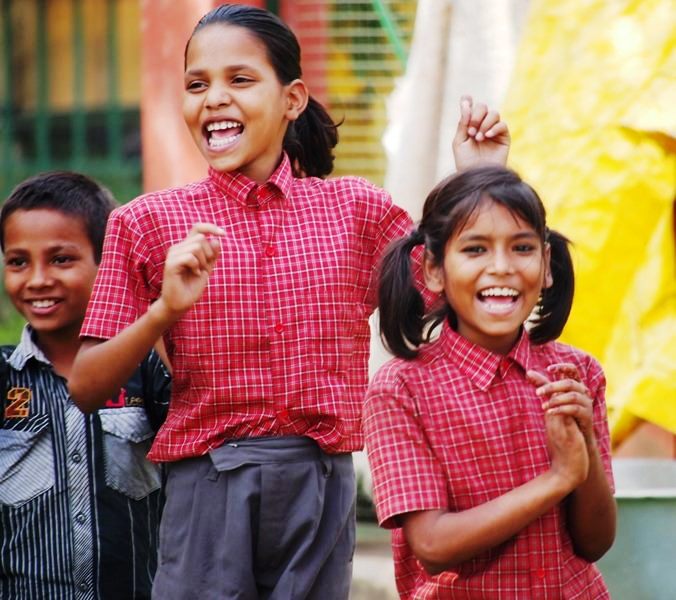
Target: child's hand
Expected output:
[481,137]
[187,268]
[565,394]
[567,449]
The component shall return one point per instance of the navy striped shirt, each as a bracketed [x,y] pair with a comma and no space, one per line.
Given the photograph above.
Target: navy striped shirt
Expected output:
[79,502]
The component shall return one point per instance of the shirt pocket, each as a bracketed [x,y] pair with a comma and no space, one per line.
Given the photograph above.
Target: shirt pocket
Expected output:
[26,464]
[127,437]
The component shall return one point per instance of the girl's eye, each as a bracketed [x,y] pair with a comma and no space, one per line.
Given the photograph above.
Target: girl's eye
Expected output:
[524,248]
[474,250]
[195,86]
[241,79]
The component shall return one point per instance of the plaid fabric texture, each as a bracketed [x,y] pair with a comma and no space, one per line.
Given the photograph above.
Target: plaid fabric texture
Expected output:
[278,343]
[458,427]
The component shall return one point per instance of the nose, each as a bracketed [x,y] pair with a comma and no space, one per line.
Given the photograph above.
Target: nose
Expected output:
[501,263]
[218,95]
[39,277]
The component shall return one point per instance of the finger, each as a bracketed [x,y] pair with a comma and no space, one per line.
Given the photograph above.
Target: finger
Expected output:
[491,118]
[199,247]
[565,370]
[463,123]
[499,130]
[215,247]
[186,261]
[537,379]
[205,228]
[478,113]
[567,398]
[561,385]
[197,256]
[570,410]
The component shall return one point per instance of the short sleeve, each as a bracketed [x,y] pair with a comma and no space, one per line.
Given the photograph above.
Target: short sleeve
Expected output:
[122,290]
[406,474]
[382,223]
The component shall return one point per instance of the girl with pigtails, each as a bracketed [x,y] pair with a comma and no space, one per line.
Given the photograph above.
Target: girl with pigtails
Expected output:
[487,439]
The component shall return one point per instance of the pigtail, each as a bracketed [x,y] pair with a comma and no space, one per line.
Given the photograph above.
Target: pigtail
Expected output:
[556,300]
[402,308]
[309,141]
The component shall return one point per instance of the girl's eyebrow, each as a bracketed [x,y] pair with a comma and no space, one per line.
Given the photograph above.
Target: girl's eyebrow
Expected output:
[200,71]
[472,237]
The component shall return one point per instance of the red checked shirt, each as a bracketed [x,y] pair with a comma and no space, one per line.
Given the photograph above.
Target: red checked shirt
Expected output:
[278,344]
[457,427]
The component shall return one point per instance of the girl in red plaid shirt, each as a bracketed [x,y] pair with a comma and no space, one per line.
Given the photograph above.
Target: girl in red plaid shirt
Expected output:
[489,445]
[260,279]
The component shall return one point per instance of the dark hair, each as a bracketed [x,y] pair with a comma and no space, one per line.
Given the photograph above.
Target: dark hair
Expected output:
[310,139]
[70,193]
[404,323]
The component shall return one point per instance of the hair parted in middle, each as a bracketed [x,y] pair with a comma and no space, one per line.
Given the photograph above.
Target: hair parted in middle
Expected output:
[404,322]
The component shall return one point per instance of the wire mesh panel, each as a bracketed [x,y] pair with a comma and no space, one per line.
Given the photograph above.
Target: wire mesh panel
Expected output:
[352,53]
[69,90]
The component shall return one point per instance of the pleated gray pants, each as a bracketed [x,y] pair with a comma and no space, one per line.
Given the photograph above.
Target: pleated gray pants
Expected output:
[263,518]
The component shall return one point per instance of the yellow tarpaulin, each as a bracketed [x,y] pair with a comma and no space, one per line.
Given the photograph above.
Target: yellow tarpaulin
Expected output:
[592,110]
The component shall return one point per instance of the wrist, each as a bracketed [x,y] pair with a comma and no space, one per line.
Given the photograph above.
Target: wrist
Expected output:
[160,316]
[561,482]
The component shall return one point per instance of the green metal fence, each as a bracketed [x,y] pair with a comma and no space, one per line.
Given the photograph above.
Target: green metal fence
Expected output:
[46,125]
[62,69]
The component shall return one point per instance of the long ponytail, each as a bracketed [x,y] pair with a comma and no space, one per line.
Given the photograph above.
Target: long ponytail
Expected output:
[402,308]
[557,300]
[310,140]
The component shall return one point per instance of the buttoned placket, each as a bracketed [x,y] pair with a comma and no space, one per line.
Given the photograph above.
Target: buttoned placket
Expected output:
[79,499]
[269,206]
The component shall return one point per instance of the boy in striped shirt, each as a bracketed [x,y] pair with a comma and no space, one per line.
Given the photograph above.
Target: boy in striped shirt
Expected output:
[79,501]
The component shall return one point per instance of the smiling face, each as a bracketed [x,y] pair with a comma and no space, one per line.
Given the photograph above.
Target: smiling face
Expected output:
[493,271]
[234,104]
[49,270]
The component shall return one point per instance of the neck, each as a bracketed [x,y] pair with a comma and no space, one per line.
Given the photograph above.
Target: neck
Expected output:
[60,349]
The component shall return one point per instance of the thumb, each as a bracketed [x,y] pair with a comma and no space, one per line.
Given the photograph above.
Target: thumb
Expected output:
[537,379]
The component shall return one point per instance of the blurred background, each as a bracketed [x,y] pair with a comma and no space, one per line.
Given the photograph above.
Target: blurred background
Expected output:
[588,88]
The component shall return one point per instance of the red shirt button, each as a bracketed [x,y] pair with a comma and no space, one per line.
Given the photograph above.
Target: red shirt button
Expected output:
[283,415]
[541,573]
[270,251]
[279,327]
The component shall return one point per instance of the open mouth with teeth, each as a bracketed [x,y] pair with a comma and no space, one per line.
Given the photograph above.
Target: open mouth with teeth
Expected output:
[220,134]
[498,298]
[48,303]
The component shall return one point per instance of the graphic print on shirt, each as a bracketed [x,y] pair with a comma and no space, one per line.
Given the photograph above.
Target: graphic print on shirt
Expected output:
[17,403]
[123,400]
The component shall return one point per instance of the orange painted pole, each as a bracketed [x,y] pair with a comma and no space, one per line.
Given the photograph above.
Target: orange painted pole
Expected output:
[170,157]
[312,33]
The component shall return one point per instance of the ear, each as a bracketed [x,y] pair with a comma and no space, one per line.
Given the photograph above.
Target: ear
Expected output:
[297,97]
[433,274]
[548,279]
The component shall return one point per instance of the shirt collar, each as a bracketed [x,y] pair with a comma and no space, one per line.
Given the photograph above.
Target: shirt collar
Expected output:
[482,366]
[25,350]
[249,193]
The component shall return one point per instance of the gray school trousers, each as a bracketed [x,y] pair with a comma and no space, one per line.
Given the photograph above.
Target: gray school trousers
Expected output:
[263,518]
